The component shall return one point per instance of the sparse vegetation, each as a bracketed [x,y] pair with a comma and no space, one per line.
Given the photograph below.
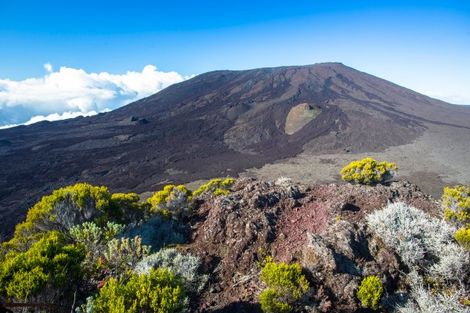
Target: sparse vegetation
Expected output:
[426,300]
[122,254]
[416,237]
[114,253]
[186,266]
[61,210]
[463,237]
[48,269]
[172,201]
[456,204]
[95,240]
[126,207]
[216,187]
[368,171]
[370,292]
[286,285]
[159,291]
[159,231]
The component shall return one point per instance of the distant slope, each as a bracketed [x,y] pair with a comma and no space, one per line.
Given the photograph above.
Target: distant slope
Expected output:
[216,124]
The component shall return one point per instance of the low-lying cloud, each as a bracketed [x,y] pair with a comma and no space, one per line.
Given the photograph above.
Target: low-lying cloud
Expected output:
[52,117]
[70,92]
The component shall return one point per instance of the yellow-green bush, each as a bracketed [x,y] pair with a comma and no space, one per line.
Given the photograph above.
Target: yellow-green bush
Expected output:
[50,263]
[286,285]
[61,210]
[73,205]
[217,187]
[171,201]
[456,204]
[463,237]
[368,171]
[370,292]
[160,291]
[126,208]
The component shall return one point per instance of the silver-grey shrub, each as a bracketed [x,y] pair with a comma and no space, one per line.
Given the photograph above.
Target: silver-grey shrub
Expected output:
[184,265]
[423,300]
[95,239]
[420,240]
[159,232]
[89,233]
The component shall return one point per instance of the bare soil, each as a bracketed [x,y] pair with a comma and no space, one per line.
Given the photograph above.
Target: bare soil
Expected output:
[439,157]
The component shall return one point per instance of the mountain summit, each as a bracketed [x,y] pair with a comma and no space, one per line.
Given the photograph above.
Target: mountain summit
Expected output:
[216,124]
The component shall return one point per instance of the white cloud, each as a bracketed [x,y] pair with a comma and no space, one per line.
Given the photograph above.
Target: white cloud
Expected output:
[70,92]
[48,67]
[57,117]
[52,117]
[8,126]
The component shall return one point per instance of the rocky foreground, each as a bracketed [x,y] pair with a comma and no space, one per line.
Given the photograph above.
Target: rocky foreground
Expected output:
[320,226]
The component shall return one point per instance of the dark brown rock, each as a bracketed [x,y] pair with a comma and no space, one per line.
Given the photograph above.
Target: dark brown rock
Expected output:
[233,234]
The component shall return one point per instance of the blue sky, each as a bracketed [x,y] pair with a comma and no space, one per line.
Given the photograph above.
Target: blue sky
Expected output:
[423,45]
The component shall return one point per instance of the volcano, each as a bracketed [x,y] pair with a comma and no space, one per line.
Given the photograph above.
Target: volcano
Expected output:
[224,123]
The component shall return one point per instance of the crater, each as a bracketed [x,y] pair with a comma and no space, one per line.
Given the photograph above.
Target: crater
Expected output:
[299,116]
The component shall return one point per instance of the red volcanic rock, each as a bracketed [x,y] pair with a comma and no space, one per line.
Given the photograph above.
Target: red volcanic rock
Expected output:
[320,226]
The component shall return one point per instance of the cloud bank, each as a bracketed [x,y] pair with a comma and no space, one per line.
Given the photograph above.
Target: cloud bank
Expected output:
[71,92]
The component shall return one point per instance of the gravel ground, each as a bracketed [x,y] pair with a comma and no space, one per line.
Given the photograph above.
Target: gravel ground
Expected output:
[441,156]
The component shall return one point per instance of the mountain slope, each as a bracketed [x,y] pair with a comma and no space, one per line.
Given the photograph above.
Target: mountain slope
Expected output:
[216,124]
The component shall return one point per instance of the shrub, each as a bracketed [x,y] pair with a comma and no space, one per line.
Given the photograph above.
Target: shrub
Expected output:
[90,234]
[159,232]
[463,237]
[61,210]
[88,306]
[50,263]
[286,285]
[171,201]
[216,187]
[370,292]
[423,300]
[185,265]
[420,240]
[456,204]
[121,255]
[159,291]
[126,208]
[95,240]
[368,171]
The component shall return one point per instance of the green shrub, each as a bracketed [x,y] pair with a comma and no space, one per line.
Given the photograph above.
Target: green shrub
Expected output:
[368,171]
[186,266]
[50,263]
[126,208]
[159,291]
[61,210]
[90,234]
[370,292]
[463,237]
[171,201]
[121,255]
[95,239]
[286,285]
[217,187]
[456,204]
